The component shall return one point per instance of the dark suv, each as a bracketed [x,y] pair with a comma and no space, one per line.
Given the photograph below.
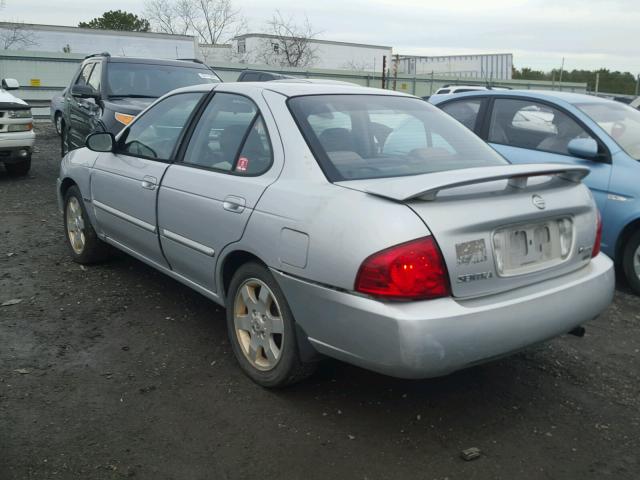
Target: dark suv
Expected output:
[258,76]
[107,92]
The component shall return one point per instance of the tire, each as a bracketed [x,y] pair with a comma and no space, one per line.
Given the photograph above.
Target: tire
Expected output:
[20,168]
[57,122]
[267,312]
[82,240]
[631,262]
[64,141]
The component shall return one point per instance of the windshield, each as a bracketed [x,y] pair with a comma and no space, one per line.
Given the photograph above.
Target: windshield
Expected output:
[620,121]
[372,136]
[147,80]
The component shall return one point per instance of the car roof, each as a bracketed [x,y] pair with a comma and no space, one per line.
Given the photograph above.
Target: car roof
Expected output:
[292,89]
[549,95]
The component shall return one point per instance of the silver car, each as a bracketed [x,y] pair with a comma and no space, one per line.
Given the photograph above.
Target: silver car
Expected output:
[329,220]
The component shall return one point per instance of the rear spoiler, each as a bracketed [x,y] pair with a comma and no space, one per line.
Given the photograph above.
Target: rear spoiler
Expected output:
[428,185]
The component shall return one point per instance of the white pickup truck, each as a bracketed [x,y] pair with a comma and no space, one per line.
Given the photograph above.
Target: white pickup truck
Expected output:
[16,130]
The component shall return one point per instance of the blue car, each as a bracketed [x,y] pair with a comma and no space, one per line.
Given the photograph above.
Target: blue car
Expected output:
[561,127]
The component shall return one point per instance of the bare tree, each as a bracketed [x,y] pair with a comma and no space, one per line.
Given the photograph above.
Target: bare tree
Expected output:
[16,36]
[212,21]
[289,44]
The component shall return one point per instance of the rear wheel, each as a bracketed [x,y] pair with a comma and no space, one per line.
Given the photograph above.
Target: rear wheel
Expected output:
[83,242]
[20,168]
[262,329]
[631,262]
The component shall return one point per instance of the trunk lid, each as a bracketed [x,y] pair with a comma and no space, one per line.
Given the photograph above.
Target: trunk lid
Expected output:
[500,228]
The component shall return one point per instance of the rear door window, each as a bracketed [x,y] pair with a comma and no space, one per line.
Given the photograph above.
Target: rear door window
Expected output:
[231,137]
[465,111]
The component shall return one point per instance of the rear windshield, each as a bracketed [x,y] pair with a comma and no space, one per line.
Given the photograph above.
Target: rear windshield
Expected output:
[620,121]
[146,80]
[371,136]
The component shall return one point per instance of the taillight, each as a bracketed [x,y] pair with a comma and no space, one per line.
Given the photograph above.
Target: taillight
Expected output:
[414,270]
[596,245]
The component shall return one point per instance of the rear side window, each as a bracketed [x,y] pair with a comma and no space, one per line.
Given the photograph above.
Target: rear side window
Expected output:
[374,136]
[231,137]
[465,111]
[443,91]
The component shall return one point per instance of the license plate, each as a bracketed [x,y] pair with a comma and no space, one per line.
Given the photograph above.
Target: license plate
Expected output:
[528,248]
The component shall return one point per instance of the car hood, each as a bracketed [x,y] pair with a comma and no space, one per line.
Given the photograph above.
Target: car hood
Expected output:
[8,101]
[129,105]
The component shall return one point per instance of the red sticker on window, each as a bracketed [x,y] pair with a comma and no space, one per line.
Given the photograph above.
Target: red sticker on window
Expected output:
[243,164]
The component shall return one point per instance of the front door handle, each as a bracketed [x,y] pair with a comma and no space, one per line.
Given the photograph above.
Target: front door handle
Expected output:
[149,182]
[234,204]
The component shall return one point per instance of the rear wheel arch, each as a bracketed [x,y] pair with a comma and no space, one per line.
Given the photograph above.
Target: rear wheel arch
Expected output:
[230,265]
[627,232]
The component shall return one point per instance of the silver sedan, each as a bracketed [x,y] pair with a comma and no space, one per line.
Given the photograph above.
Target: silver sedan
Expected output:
[330,220]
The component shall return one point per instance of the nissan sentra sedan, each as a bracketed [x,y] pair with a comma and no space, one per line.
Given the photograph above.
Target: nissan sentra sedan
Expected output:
[330,220]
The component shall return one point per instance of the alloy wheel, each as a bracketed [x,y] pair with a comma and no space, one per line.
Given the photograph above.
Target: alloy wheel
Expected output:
[75,225]
[636,262]
[259,325]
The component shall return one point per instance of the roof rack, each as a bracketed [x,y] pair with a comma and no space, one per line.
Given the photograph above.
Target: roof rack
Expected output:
[194,60]
[103,54]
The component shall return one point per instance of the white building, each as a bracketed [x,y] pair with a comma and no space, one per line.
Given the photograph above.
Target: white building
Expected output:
[496,66]
[61,39]
[328,54]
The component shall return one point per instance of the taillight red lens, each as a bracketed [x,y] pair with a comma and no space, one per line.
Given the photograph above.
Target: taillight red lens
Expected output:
[596,245]
[414,270]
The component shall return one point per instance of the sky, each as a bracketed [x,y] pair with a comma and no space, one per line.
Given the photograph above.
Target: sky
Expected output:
[589,34]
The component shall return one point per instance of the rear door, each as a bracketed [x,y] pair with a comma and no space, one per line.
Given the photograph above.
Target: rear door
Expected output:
[206,199]
[124,184]
[529,131]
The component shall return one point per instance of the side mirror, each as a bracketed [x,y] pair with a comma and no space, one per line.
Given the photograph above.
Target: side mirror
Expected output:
[583,148]
[10,84]
[101,142]
[84,91]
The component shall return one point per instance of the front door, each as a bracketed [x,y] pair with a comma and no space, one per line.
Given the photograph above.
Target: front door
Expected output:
[206,199]
[124,184]
[83,112]
[527,131]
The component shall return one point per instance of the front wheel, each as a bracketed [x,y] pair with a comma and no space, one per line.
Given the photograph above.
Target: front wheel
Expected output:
[83,242]
[64,140]
[57,122]
[262,329]
[21,168]
[631,262]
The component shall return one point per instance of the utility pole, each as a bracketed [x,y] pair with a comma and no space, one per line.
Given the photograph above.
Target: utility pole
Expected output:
[396,60]
[637,83]
[597,81]
[384,71]
[561,71]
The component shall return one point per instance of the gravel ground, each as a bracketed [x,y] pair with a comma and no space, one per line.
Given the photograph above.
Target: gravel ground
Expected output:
[117,371]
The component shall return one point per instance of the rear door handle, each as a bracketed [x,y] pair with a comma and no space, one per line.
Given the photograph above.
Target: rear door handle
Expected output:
[149,182]
[234,204]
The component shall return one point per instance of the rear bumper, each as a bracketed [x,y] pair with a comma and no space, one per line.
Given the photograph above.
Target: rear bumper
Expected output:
[432,338]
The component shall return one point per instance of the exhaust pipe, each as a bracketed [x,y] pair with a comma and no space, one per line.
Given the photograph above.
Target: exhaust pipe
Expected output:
[578,331]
